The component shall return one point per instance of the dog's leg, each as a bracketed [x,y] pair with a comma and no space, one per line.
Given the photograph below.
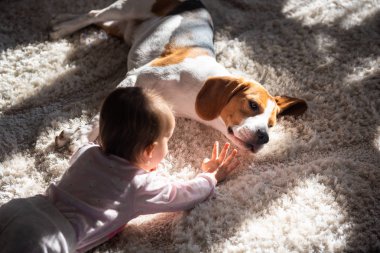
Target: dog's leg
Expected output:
[62,29]
[118,11]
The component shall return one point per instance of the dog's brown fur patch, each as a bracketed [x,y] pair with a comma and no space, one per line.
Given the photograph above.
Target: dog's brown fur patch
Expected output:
[173,55]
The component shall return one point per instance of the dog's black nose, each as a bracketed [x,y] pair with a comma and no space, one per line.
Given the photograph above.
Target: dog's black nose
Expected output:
[262,137]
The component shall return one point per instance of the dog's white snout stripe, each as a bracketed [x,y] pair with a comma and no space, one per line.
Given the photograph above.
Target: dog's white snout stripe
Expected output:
[250,126]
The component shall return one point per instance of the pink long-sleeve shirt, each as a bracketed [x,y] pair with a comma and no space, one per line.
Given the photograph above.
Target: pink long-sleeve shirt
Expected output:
[100,193]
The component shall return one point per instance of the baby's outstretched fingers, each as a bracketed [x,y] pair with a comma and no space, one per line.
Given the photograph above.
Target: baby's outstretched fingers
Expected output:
[230,158]
[215,151]
[227,166]
[224,151]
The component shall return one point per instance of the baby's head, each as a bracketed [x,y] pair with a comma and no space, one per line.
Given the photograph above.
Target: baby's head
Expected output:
[135,124]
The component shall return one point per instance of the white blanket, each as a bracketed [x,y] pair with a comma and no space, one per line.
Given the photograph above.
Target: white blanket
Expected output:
[315,187]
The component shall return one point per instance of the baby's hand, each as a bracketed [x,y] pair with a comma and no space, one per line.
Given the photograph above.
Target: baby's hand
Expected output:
[220,165]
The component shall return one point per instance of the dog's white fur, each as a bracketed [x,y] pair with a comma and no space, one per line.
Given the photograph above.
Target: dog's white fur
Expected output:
[149,35]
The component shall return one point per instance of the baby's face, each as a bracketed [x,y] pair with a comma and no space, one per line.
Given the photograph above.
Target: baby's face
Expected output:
[160,147]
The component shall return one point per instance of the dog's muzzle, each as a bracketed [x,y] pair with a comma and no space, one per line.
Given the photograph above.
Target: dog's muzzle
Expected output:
[253,141]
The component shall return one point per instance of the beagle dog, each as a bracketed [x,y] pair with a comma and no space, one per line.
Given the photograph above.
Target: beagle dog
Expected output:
[172,52]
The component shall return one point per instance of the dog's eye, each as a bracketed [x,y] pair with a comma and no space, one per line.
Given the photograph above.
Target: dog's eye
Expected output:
[253,105]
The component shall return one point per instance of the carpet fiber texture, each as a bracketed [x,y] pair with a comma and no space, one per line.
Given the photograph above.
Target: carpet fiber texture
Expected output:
[315,187]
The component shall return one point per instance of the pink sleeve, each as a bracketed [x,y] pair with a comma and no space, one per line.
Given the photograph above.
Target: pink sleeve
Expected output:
[157,194]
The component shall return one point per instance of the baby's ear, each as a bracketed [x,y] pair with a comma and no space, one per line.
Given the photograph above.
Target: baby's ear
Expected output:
[148,151]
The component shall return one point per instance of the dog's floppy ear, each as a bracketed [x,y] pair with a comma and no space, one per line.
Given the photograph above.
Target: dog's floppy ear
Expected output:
[215,94]
[290,106]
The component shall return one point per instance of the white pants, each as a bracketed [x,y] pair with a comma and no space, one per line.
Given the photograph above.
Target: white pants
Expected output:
[34,225]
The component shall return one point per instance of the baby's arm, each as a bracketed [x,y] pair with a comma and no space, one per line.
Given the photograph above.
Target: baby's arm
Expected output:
[157,194]
[154,195]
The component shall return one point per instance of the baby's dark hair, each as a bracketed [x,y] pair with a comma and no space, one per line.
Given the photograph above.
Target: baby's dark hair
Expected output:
[131,119]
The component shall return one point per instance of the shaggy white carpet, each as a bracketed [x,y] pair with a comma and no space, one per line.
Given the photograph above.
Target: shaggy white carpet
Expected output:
[314,188]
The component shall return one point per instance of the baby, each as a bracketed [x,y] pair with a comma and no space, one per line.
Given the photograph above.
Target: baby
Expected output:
[109,184]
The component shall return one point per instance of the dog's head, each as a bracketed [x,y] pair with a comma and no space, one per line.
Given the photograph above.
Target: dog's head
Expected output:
[246,108]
